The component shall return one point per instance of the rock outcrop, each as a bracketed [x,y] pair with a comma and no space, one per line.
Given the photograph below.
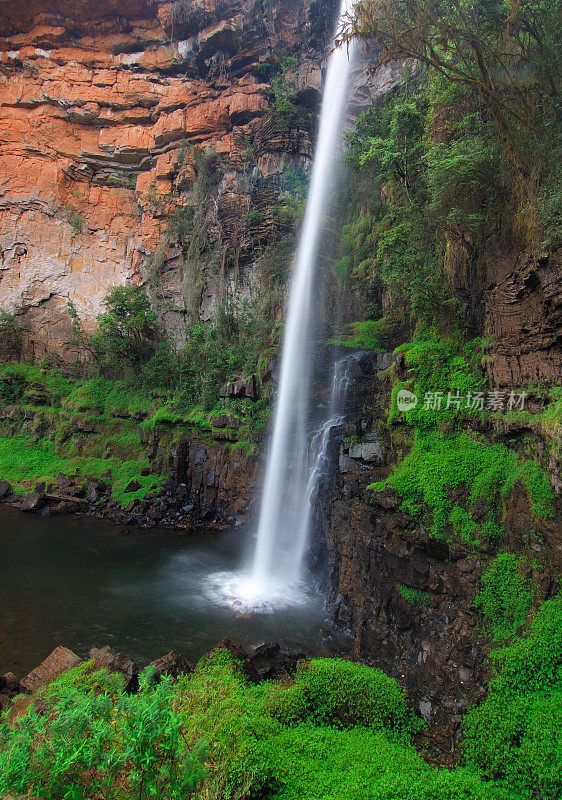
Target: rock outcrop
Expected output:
[104,106]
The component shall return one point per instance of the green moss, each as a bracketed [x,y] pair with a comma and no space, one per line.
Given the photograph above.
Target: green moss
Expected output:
[504,597]
[441,464]
[25,461]
[417,597]
[514,736]
[437,364]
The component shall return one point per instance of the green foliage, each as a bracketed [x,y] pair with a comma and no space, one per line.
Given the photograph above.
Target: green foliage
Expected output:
[283,87]
[26,461]
[439,464]
[504,596]
[254,217]
[461,480]
[532,663]
[349,695]
[464,177]
[9,325]
[84,678]
[440,364]
[514,736]
[94,742]
[230,347]
[506,56]
[417,597]
[338,731]
[371,334]
[76,221]
[390,238]
[295,182]
[128,329]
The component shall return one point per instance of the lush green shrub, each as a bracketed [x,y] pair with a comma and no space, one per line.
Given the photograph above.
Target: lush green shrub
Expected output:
[533,663]
[218,707]
[440,364]
[91,743]
[504,596]
[337,732]
[347,695]
[514,736]
[128,329]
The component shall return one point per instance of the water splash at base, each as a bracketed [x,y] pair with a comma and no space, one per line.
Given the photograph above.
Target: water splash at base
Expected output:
[240,592]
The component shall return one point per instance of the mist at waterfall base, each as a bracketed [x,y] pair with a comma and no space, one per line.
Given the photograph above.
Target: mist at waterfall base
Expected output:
[275,576]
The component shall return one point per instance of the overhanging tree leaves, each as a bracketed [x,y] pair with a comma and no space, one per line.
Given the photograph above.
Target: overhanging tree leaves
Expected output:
[507,51]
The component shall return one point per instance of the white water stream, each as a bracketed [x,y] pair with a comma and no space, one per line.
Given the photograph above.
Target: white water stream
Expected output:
[274,576]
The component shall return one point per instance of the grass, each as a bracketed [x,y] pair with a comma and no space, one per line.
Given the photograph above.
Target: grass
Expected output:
[90,426]
[25,462]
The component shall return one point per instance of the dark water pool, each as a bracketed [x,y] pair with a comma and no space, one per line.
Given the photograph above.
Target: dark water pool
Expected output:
[80,583]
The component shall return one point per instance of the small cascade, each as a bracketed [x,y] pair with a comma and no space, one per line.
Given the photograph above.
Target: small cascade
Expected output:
[273,578]
[344,372]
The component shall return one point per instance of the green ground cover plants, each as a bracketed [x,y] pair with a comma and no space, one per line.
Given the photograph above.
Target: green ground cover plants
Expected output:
[337,731]
[26,461]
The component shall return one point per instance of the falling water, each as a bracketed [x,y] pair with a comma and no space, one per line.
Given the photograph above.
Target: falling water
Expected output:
[292,469]
[285,509]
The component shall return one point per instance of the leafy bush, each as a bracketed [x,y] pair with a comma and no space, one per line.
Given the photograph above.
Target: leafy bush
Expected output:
[504,596]
[514,736]
[128,329]
[92,742]
[339,731]
[348,695]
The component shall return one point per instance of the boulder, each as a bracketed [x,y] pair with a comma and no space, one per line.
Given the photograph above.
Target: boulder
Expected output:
[63,481]
[34,501]
[241,389]
[173,664]
[59,661]
[132,486]
[9,684]
[106,658]
[238,654]
[5,490]
[269,662]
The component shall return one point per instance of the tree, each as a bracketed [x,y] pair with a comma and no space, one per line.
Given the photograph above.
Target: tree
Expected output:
[507,51]
[128,329]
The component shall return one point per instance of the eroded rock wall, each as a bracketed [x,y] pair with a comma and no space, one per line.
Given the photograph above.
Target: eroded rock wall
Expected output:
[102,107]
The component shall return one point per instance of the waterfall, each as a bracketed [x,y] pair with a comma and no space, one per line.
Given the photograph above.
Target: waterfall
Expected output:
[283,522]
[292,469]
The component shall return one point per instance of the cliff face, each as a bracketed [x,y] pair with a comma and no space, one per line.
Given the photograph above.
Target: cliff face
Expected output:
[103,108]
[515,298]
[404,596]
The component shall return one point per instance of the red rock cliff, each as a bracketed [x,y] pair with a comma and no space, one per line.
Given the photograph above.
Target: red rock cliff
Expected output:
[101,103]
